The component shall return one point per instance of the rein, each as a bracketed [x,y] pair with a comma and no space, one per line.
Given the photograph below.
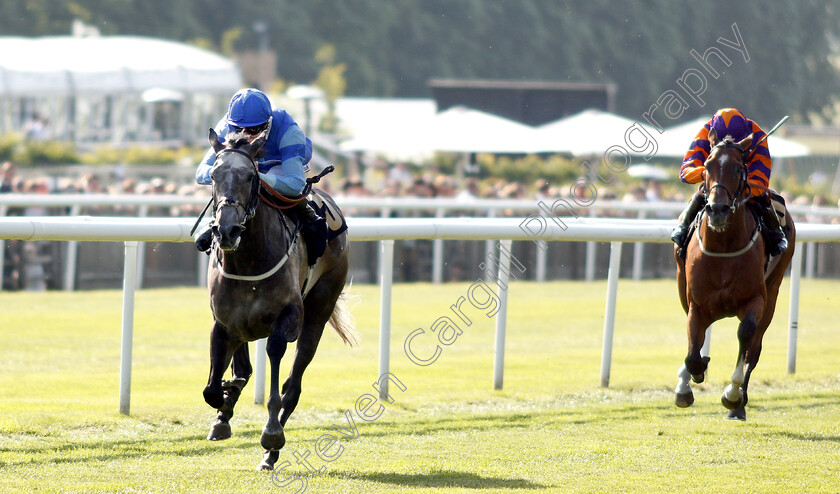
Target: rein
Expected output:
[270,272]
[250,212]
[743,184]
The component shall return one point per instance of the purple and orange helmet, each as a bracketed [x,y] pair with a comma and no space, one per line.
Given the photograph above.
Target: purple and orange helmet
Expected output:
[731,122]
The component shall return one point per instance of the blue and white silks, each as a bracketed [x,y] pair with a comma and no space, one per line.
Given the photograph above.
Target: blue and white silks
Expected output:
[284,158]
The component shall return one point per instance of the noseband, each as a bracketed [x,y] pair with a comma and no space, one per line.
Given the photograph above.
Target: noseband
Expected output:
[734,203]
[254,196]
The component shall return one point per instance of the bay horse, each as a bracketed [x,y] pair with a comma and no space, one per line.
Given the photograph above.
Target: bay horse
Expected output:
[260,287]
[726,273]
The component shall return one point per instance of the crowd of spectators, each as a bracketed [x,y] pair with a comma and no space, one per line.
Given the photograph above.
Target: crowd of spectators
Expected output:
[391,181]
[397,180]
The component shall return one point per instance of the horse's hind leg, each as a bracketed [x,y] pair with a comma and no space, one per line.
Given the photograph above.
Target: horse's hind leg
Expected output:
[232,389]
[683,396]
[273,437]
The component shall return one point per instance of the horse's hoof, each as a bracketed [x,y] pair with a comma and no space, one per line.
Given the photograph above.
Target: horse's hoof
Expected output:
[219,431]
[273,440]
[732,405]
[684,400]
[737,414]
[269,459]
[698,378]
[214,397]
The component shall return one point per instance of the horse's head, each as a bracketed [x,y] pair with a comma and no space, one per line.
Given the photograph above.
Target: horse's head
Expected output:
[725,186]
[236,185]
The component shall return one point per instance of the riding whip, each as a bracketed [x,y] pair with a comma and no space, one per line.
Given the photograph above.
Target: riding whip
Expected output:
[766,135]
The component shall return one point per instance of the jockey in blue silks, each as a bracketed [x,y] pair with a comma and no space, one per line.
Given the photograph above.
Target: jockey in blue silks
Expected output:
[284,158]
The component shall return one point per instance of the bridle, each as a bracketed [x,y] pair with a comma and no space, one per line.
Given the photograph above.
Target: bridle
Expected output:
[253,197]
[250,211]
[734,202]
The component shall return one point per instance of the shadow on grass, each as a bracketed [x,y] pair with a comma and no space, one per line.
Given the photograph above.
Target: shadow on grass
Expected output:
[443,478]
[422,427]
[804,437]
[89,451]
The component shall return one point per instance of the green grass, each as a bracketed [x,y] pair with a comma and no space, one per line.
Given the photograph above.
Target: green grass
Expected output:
[552,428]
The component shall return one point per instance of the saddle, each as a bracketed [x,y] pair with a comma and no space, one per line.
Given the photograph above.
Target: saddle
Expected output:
[315,236]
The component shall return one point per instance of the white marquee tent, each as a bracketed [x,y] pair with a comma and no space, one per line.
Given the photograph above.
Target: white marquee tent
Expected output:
[464,130]
[411,129]
[393,127]
[590,132]
[112,88]
[405,129]
[674,141]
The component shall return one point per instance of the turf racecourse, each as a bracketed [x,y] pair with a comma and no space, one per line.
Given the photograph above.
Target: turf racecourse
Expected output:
[552,429]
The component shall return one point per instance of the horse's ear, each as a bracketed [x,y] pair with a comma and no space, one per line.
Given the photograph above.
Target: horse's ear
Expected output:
[255,145]
[214,141]
[745,144]
[713,137]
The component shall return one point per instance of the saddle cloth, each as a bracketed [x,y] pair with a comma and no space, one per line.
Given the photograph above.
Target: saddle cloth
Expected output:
[335,220]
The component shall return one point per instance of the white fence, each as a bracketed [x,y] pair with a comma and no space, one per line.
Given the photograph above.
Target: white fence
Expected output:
[134,230]
[383,207]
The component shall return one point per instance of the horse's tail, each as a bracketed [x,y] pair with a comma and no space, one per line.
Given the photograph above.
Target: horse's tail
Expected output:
[342,320]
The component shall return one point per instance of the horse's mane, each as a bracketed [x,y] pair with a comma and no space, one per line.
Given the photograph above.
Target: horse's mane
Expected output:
[236,140]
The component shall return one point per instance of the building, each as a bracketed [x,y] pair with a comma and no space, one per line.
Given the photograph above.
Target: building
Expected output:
[529,102]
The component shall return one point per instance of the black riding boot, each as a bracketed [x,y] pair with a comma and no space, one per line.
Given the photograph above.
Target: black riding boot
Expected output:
[314,229]
[204,238]
[694,206]
[775,235]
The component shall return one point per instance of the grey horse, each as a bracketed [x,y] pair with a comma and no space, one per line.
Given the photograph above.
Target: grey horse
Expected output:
[261,287]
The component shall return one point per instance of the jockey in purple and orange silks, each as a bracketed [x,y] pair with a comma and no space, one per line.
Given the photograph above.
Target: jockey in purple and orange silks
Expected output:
[731,122]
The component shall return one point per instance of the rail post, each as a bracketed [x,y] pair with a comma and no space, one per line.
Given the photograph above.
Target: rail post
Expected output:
[609,315]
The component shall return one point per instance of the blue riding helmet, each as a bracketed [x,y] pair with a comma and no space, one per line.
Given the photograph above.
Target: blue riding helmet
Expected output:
[248,108]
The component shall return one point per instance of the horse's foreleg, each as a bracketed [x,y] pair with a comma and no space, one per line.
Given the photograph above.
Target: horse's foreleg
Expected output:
[317,308]
[232,389]
[305,351]
[221,351]
[273,437]
[695,363]
[752,356]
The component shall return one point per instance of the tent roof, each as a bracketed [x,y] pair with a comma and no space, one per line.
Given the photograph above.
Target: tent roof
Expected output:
[67,64]
[411,128]
[394,127]
[465,130]
[406,128]
[676,140]
[590,132]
